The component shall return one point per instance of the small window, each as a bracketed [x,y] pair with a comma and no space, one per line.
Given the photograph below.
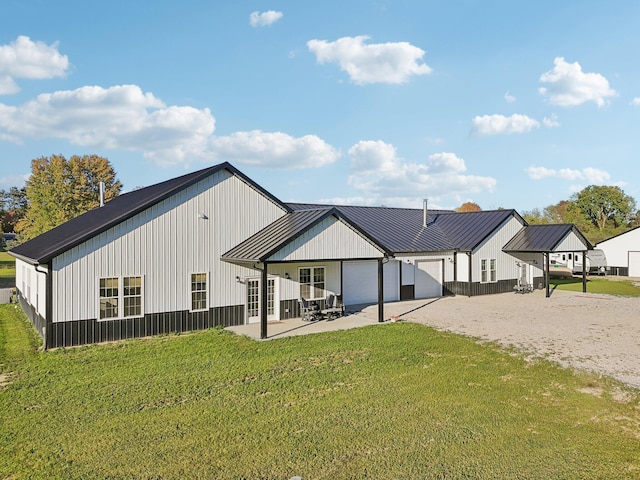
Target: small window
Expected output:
[132,296]
[108,298]
[198,291]
[312,283]
[488,270]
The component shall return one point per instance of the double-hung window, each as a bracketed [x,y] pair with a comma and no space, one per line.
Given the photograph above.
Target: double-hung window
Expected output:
[488,272]
[312,283]
[117,302]
[198,292]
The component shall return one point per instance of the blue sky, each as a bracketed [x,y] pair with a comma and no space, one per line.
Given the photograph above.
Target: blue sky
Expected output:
[506,104]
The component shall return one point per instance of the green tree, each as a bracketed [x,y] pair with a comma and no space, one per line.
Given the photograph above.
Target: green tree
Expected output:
[13,206]
[534,217]
[601,204]
[60,189]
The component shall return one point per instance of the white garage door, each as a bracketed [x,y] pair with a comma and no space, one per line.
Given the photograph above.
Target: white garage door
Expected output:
[360,282]
[428,279]
[634,264]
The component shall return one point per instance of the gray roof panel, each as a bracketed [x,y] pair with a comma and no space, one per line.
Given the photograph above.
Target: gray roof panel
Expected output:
[543,238]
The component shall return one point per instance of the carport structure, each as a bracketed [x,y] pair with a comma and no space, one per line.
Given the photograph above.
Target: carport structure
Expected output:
[534,244]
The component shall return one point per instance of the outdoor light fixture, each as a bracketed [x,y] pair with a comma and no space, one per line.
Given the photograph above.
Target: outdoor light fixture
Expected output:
[203,216]
[287,276]
[238,278]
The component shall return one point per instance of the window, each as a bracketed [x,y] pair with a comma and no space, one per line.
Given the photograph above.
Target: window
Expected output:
[117,302]
[108,298]
[312,283]
[132,296]
[488,272]
[198,291]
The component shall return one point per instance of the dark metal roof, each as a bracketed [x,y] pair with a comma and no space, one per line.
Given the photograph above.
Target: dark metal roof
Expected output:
[401,230]
[543,238]
[272,238]
[42,249]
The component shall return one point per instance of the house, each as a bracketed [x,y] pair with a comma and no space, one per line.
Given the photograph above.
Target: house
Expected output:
[213,248]
[623,253]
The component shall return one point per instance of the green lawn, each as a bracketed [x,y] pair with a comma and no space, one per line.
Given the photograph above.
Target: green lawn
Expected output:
[597,285]
[7,270]
[384,402]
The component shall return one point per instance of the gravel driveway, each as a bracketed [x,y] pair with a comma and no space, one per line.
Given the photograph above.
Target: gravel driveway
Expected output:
[599,333]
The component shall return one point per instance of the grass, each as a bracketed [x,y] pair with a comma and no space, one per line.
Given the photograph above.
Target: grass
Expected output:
[390,401]
[7,270]
[597,285]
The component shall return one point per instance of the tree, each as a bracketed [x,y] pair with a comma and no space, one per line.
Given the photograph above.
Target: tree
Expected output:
[469,207]
[60,189]
[601,204]
[13,206]
[534,216]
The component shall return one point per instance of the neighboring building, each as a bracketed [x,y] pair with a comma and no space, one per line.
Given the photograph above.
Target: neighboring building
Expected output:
[212,247]
[623,253]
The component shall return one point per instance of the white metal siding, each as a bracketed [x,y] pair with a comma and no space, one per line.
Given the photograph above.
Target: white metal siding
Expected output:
[330,239]
[506,267]
[571,243]
[32,285]
[165,244]
[409,262]
[617,249]
[290,288]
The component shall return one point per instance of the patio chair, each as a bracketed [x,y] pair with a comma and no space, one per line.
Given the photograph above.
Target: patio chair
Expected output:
[333,309]
[309,312]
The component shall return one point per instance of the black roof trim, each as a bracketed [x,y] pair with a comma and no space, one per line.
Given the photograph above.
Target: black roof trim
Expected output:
[58,240]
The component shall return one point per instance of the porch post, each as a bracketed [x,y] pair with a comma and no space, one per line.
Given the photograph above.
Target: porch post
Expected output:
[263,302]
[546,272]
[380,292]
[470,274]
[584,271]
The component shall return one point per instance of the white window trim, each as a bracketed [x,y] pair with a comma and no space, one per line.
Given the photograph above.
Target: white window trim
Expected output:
[121,298]
[324,290]
[488,270]
[207,291]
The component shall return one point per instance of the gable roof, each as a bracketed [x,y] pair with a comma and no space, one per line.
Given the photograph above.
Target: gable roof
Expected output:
[43,248]
[543,238]
[273,237]
[401,230]
[617,235]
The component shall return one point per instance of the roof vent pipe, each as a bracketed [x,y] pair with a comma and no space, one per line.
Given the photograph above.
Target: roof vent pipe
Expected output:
[424,213]
[102,194]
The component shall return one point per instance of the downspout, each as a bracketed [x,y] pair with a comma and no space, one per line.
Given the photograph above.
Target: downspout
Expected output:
[584,271]
[48,315]
[547,274]
[455,272]
[380,291]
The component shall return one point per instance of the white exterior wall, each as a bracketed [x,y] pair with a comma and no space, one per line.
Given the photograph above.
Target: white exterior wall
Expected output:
[165,244]
[506,267]
[571,243]
[32,285]
[290,288]
[330,239]
[617,248]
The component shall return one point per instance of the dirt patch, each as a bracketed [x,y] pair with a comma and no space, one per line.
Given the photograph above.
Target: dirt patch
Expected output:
[598,333]
[5,379]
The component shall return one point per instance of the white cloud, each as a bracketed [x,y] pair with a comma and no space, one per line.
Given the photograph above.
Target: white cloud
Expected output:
[551,122]
[9,181]
[264,19]
[509,98]
[273,150]
[499,124]
[24,58]
[570,86]
[371,63]
[126,118]
[636,102]
[589,174]
[384,177]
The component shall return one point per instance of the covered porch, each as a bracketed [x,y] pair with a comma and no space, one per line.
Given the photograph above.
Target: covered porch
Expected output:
[297,249]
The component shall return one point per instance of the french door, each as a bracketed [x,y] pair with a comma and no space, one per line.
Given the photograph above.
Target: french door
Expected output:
[253,300]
